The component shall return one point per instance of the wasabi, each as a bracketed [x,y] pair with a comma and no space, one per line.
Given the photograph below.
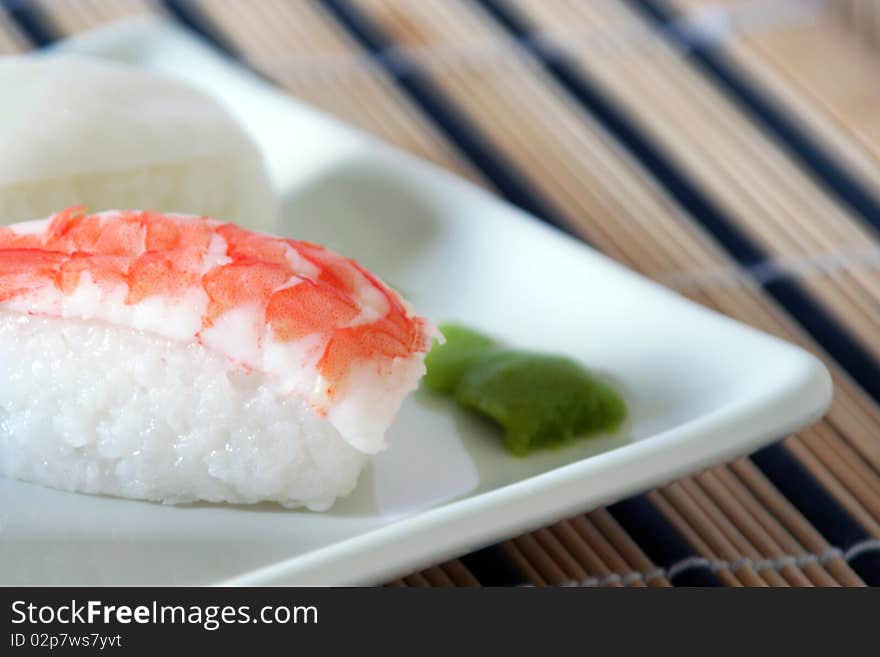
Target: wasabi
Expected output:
[539,400]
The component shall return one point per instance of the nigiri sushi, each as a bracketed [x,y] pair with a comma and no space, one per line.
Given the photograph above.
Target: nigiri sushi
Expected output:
[178,358]
[82,130]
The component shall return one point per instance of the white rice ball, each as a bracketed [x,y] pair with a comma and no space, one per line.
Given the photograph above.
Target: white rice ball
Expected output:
[81,131]
[89,407]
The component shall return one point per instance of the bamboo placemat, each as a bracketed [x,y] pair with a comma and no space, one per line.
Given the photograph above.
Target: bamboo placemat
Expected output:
[729,149]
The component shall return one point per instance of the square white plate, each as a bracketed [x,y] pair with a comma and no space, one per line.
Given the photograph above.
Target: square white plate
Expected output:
[701,388]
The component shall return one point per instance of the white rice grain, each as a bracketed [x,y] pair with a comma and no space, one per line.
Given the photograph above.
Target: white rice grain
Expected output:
[89,407]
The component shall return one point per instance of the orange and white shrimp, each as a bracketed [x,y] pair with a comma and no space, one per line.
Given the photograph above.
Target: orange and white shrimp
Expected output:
[319,325]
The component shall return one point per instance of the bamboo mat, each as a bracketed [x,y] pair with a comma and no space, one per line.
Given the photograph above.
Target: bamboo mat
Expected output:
[729,149]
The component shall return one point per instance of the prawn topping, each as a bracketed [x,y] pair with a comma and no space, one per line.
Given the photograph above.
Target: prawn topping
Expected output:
[293,290]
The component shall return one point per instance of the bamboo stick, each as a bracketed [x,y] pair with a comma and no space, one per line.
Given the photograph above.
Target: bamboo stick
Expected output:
[608,560]
[436,576]
[11,39]
[542,561]
[626,548]
[721,548]
[864,17]
[417,580]
[772,519]
[686,530]
[460,574]
[586,557]
[801,530]
[766,548]
[523,564]
[554,551]
[72,16]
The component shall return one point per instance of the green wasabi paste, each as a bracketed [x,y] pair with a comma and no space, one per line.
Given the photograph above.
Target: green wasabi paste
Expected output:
[539,400]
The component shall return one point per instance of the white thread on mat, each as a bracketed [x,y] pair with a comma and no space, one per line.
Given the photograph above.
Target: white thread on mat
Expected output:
[687,564]
[695,563]
[708,25]
[862,547]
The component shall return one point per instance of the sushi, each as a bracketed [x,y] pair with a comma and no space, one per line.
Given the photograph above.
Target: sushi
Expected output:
[79,130]
[178,358]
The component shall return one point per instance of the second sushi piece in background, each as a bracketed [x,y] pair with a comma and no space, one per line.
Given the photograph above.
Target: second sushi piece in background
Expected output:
[178,358]
[80,130]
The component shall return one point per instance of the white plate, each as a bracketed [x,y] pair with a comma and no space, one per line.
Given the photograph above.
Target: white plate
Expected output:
[702,388]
